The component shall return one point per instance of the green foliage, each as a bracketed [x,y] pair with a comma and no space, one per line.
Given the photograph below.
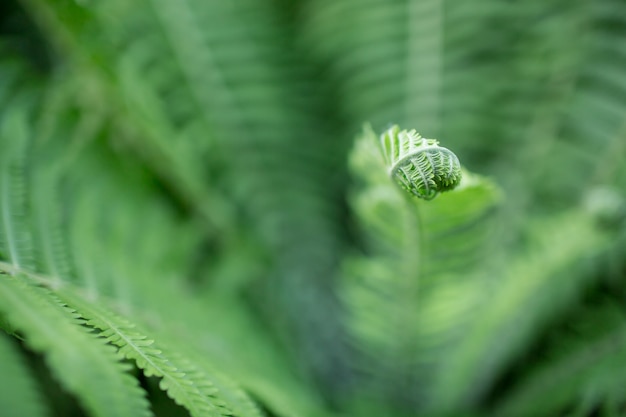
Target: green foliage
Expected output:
[587,365]
[409,294]
[188,228]
[85,367]
[183,381]
[18,390]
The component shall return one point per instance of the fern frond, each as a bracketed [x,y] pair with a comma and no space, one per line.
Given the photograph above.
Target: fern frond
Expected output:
[15,236]
[84,365]
[535,286]
[60,135]
[139,221]
[408,298]
[585,371]
[234,397]
[51,245]
[591,140]
[261,370]
[189,98]
[414,62]
[128,85]
[207,361]
[237,345]
[420,165]
[184,382]
[19,393]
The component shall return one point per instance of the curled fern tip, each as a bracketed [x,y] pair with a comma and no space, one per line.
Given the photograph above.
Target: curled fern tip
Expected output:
[419,165]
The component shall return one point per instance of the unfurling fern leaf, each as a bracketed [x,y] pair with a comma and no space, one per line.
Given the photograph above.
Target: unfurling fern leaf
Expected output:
[420,165]
[412,293]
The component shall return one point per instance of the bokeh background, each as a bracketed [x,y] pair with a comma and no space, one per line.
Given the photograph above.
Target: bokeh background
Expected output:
[189,160]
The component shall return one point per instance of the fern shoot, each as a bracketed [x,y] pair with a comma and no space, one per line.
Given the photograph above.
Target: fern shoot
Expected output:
[419,165]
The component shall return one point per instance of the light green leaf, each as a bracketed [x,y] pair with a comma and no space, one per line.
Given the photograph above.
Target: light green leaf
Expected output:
[80,361]
[18,388]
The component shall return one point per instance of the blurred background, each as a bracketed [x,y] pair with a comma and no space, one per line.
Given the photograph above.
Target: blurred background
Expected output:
[189,159]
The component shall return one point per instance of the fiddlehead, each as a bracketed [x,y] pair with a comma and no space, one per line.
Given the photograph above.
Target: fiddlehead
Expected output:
[419,165]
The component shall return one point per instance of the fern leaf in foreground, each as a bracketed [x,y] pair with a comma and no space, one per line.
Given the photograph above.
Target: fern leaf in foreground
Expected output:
[184,382]
[18,391]
[82,363]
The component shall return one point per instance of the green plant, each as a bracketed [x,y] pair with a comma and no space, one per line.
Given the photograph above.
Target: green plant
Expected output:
[188,228]
[420,165]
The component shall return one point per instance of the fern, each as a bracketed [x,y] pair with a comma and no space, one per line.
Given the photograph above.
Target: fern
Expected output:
[137,115]
[90,370]
[238,110]
[583,372]
[420,165]
[174,194]
[593,128]
[238,345]
[18,391]
[58,141]
[421,259]
[552,252]
[15,239]
[183,382]
[101,268]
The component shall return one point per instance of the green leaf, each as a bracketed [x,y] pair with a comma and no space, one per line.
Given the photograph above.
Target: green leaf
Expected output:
[409,298]
[81,362]
[18,388]
[185,382]
[15,237]
[533,287]
[584,369]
